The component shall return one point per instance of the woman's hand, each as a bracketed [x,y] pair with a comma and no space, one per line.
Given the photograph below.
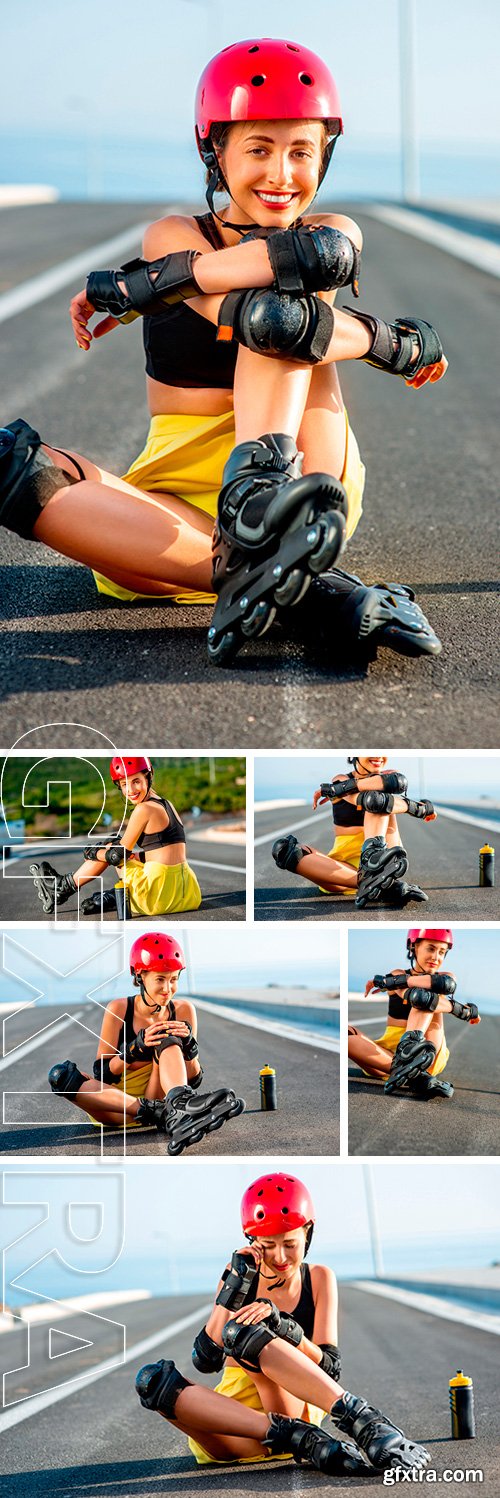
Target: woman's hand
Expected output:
[257,1310]
[157,1031]
[81,311]
[369,986]
[319,800]
[429,375]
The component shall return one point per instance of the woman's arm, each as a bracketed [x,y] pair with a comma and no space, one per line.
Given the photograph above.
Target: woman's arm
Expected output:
[111,1031]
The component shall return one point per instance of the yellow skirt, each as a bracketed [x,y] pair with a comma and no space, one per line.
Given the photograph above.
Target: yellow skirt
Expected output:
[347,848]
[185,455]
[137,1081]
[391,1038]
[161,889]
[237,1384]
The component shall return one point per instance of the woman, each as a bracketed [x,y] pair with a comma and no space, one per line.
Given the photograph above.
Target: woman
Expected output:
[147,1065]
[412,1052]
[158,878]
[367,855]
[280,1356]
[271,369]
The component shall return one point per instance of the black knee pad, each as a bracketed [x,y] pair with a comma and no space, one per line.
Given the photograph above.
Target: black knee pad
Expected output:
[245,1343]
[393,781]
[65,1077]
[289,327]
[422,998]
[287,852]
[378,801]
[159,1385]
[28,478]
[164,1044]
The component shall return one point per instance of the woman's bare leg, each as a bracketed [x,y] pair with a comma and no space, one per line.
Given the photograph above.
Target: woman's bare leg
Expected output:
[331,873]
[171,1069]
[106,1105]
[322,431]
[223,1426]
[370,1056]
[140,538]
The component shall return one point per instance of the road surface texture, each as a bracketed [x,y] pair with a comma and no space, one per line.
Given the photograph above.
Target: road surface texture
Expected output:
[444,861]
[99,1441]
[432,459]
[466,1124]
[232,1054]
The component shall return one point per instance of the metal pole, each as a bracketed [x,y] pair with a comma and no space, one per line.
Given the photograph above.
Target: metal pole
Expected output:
[421,777]
[189,961]
[371,1207]
[410,165]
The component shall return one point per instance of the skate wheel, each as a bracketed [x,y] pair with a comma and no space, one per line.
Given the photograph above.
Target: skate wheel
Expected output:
[260,619]
[332,536]
[240,1108]
[293,587]
[222,648]
[214,1126]
[175,1149]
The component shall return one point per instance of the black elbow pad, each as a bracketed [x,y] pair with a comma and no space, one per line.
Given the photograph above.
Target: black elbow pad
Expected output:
[207,1356]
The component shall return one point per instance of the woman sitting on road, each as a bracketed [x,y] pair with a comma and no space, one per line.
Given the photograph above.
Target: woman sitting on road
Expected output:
[412,1052]
[147,1067]
[158,879]
[235,412]
[367,855]
[280,1356]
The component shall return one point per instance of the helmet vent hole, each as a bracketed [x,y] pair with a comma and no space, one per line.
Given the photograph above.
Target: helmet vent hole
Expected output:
[258,80]
[291,48]
[305,78]
[284,1211]
[253,49]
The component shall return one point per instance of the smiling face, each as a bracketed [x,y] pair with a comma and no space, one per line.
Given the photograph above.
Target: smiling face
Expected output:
[283,1253]
[160,987]
[272,169]
[135,788]
[372,764]
[430,955]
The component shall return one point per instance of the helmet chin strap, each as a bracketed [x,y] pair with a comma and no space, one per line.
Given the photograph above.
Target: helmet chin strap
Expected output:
[217,181]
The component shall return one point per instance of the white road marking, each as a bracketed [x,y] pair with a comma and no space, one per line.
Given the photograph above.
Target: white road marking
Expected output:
[481,253]
[48,1033]
[272,1027]
[432,1305]
[465,816]
[38,288]
[268,837]
[33,1404]
[227,868]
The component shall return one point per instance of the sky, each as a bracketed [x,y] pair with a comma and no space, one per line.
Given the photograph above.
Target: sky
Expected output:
[474,959]
[84,72]
[195,1218]
[70,965]
[468,776]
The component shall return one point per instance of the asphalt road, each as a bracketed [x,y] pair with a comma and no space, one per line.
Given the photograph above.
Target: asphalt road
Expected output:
[232,1055]
[433,462]
[466,1124]
[99,1441]
[444,861]
[219,867]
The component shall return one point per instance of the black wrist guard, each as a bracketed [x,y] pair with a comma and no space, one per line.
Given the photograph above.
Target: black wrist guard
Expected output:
[174,282]
[343,786]
[92,850]
[282,1324]
[424,810]
[422,998]
[464,1011]
[331,1360]
[315,258]
[443,983]
[102,1072]
[207,1356]
[115,855]
[403,347]
[190,1048]
[135,1050]
[240,1282]
[391,981]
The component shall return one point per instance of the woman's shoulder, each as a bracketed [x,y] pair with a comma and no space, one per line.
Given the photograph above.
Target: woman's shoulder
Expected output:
[177,231]
[117,1006]
[321,1274]
[338,221]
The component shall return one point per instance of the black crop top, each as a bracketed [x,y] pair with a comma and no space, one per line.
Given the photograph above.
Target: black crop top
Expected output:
[304,1310]
[166,838]
[399,1007]
[181,347]
[346,815]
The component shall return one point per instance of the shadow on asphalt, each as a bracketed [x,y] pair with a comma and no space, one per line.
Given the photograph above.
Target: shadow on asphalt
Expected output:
[157,1476]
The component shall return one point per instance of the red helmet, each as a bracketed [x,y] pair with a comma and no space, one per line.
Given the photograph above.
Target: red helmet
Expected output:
[274,1203]
[156,953]
[125,764]
[428,933]
[265,79]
